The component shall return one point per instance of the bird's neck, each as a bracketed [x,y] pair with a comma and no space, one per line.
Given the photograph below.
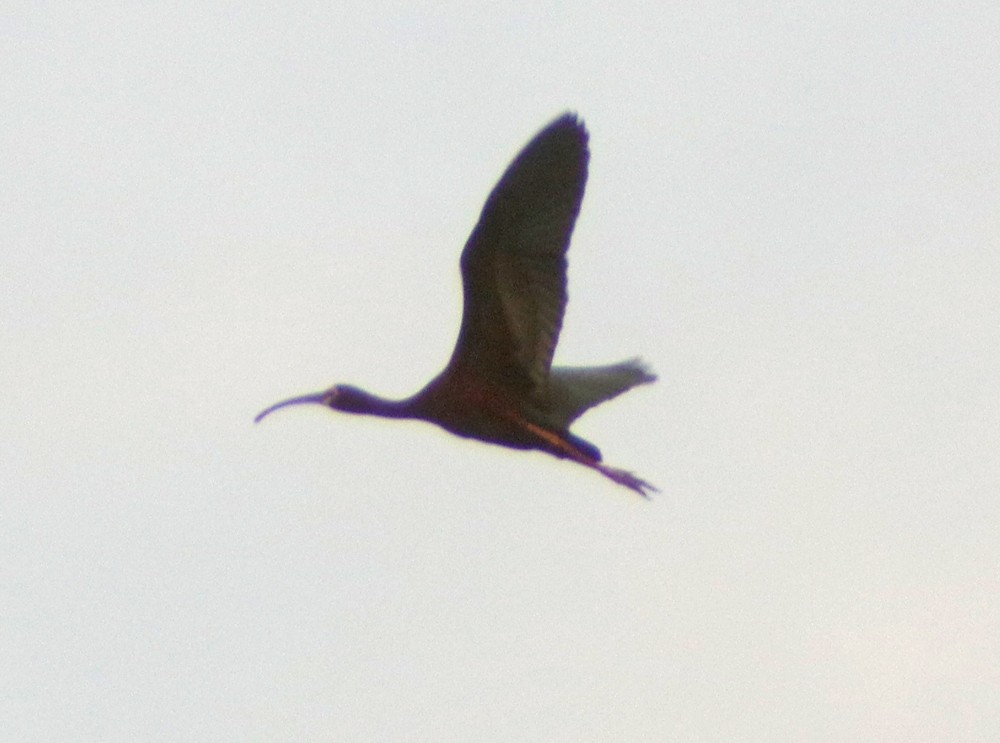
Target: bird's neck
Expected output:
[355,400]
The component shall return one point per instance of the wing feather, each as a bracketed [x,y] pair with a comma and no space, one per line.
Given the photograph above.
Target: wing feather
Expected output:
[514,262]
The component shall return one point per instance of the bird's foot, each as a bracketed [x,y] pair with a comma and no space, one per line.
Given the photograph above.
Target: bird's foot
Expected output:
[629,480]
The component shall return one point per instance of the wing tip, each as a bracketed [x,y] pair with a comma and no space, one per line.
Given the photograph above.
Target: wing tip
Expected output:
[643,370]
[569,120]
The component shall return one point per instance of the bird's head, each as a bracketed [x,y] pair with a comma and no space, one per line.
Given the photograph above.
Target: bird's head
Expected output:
[339,397]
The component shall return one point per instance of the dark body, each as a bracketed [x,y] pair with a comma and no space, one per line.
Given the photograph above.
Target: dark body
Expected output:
[499,385]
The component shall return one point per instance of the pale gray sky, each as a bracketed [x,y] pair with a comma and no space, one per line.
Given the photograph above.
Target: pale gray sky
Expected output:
[793,214]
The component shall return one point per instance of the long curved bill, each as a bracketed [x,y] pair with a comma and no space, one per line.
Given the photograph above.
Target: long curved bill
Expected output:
[317,398]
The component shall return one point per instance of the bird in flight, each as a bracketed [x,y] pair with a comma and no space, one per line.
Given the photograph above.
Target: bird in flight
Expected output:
[499,386]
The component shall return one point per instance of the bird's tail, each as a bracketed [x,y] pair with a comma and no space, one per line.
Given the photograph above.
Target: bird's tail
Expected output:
[574,389]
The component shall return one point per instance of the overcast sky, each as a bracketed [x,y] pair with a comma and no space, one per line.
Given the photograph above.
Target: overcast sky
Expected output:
[793,214]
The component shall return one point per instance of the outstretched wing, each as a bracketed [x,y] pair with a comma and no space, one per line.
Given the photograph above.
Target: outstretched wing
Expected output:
[575,389]
[514,263]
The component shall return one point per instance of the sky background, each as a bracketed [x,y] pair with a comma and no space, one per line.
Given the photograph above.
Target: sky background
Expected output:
[793,215]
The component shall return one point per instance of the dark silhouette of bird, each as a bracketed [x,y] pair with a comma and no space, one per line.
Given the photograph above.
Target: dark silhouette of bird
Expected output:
[498,386]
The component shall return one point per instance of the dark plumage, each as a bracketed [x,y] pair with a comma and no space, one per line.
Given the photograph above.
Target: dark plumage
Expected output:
[498,386]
